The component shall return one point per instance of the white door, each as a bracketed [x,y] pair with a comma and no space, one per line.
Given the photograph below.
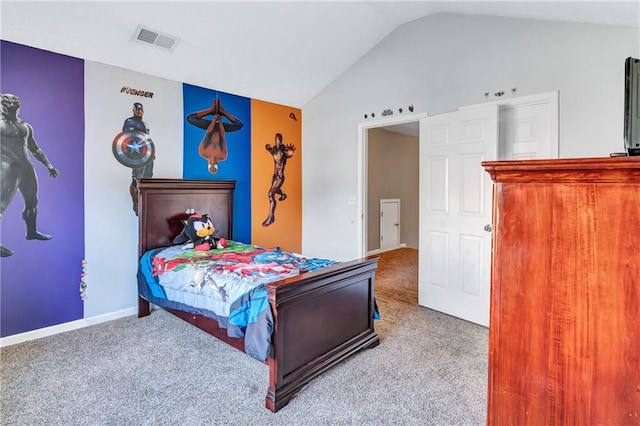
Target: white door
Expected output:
[455,206]
[389,224]
[529,127]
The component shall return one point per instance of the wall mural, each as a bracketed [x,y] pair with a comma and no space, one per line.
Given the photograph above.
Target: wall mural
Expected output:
[18,173]
[134,148]
[75,136]
[217,145]
[277,175]
[280,153]
[124,111]
[42,201]
[213,146]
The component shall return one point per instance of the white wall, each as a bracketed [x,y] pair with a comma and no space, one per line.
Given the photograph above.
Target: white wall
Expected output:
[111,226]
[443,61]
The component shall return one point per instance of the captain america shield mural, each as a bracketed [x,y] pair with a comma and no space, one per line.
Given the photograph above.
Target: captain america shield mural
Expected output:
[133,148]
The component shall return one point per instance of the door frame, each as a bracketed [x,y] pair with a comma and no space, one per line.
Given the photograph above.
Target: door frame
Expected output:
[363,128]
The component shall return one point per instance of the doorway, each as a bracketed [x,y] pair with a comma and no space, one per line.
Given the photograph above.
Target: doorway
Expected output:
[387,150]
[521,135]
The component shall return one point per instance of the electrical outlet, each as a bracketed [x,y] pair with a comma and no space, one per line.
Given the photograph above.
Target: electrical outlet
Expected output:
[352,200]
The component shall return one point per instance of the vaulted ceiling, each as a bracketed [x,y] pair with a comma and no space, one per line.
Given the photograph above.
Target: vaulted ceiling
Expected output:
[284,52]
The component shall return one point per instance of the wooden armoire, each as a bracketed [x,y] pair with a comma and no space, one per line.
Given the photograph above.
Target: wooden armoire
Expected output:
[564,334]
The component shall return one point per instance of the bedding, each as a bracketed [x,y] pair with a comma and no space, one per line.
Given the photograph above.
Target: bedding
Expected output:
[227,285]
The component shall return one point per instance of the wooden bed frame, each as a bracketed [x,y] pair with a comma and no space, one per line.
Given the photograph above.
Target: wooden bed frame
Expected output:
[320,317]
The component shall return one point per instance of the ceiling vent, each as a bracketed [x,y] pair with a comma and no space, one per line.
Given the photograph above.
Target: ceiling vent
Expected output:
[156,38]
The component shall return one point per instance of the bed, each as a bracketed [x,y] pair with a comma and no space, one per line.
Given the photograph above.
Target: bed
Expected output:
[319,318]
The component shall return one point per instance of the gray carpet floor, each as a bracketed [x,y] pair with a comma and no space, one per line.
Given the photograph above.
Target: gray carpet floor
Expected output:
[429,369]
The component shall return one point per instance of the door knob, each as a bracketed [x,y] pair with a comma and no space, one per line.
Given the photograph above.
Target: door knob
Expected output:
[488,228]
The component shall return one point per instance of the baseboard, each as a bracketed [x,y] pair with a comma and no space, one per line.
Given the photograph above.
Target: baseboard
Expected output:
[67,326]
[378,251]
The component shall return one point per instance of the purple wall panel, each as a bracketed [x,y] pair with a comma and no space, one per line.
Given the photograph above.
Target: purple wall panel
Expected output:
[40,282]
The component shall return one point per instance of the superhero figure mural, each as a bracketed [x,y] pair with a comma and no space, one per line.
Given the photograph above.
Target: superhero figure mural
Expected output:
[217,145]
[213,146]
[17,171]
[134,148]
[280,153]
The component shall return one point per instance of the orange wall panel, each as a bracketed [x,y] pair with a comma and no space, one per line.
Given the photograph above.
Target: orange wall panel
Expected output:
[284,227]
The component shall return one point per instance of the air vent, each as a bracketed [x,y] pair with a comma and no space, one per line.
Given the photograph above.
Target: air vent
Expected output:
[158,39]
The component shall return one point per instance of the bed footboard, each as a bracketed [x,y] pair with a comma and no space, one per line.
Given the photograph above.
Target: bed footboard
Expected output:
[320,319]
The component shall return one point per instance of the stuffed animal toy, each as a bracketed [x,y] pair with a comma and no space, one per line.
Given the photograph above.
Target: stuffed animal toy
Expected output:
[198,231]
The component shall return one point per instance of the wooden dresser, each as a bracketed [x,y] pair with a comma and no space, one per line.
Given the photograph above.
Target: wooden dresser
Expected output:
[564,335]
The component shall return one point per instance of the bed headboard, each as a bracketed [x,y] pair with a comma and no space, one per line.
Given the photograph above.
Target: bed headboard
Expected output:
[163,203]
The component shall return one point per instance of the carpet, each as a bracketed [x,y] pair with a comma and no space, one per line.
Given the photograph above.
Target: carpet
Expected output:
[429,369]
